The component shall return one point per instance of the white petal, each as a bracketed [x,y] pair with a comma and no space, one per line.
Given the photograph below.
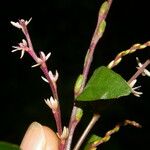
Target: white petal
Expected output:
[44,79]
[22,54]
[27,22]
[47,101]
[43,55]
[48,55]
[146,72]
[16,24]
[36,65]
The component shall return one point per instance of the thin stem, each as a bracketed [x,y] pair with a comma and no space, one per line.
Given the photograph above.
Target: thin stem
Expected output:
[94,119]
[94,41]
[72,126]
[87,64]
[139,71]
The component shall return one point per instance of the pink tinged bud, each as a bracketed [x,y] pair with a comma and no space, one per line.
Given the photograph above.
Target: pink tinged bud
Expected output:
[38,137]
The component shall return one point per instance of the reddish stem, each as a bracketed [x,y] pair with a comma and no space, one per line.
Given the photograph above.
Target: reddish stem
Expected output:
[139,71]
[44,69]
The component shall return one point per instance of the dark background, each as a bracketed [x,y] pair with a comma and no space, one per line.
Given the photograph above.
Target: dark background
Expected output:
[65,28]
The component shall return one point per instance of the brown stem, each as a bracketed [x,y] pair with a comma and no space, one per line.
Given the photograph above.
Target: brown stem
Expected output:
[94,119]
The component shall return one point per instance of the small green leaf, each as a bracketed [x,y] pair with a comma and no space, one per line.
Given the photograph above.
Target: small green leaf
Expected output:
[104,84]
[8,146]
[94,138]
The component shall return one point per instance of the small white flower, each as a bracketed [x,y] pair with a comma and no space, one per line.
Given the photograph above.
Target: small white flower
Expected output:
[22,46]
[18,24]
[45,57]
[136,93]
[52,103]
[145,72]
[54,78]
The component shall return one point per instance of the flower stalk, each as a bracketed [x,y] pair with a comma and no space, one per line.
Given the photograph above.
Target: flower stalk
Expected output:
[40,61]
[98,33]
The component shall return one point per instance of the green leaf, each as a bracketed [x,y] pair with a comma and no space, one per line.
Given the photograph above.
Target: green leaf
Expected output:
[8,146]
[104,84]
[94,138]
